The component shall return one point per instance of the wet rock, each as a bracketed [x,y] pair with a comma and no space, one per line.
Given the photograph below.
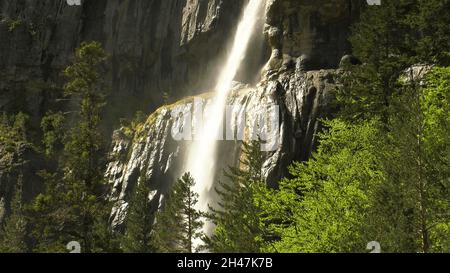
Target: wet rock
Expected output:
[177,47]
[303,99]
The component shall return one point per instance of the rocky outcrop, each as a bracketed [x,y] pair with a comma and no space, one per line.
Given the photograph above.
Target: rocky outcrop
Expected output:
[175,47]
[153,153]
[155,47]
[308,42]
[309,34]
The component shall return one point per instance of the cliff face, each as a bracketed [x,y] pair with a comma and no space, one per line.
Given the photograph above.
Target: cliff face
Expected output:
[312,34]
[303,98]
[155,47]
[174,47]
[307,40]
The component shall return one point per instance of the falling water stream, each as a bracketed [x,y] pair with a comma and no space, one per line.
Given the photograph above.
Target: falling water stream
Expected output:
[201,160]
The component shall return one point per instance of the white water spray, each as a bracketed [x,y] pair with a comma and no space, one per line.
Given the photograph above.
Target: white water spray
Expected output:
[202,154]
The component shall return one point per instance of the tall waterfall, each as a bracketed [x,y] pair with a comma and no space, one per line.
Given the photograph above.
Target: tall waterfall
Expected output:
[201,160]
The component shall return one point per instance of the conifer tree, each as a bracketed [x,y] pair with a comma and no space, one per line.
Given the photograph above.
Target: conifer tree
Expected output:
[179,225]
[139,222]
[416,162]
[238,228]
[389,39]
[74,201]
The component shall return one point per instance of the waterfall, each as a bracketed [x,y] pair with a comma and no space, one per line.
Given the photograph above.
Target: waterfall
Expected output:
[201,159]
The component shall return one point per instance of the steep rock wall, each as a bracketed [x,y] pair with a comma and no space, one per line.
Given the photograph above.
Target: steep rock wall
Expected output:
[174,47]
[155,46]
[153,153]
[307,40]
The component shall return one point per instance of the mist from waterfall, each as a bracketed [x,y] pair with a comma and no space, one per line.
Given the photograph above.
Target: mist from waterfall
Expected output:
[202,155]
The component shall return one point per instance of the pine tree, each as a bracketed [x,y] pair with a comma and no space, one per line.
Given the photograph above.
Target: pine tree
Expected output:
[417,163]
[238,227]
[139,222]
[84,143]
[324,207]
[368,184]
[179,226]
[13,235]
[74,202]
[388,40]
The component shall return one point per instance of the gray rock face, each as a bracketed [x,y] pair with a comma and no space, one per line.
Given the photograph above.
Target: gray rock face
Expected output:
[156,46]
[175,47]
[314,30]
[304,36]
[303,98]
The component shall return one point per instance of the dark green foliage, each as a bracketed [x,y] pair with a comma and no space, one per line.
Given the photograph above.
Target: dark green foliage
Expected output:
[139,222]
[389,39]
[53,127]
[14,234]
[84,143]
[179,225]
[237,222]
[13,129]
[403,32]
[73,207]
[432,25]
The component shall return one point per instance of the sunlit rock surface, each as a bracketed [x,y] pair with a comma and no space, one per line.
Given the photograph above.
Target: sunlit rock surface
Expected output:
[173,47]
[156,47]
[153,154]
[307,41]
